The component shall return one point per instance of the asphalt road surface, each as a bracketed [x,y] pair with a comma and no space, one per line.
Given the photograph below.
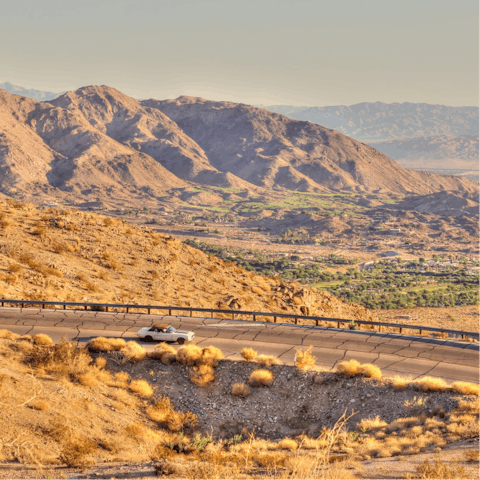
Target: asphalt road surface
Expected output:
[408,356]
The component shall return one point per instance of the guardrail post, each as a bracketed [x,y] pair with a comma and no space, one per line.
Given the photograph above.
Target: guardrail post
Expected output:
[148,310]
[401,330]
[233,316]
[191,311]
[274,319]
[127,309]
[85,307]
[64,307]
[211,314]
[296,320]
[170,311]
[338,324]
[43,305]
[254,318]
[421,332]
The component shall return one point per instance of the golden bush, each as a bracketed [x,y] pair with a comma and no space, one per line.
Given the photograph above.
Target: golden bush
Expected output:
[240,390]
[141,388]
[304,360]
[249,354]
[261,378]
[465,388]
[42,339]
[267,360]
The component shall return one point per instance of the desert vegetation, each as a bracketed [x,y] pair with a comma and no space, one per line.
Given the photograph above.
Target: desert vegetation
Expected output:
[60,388]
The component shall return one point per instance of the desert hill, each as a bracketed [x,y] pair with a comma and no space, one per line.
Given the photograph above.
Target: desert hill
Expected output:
[96,143]
[271,150]
[73,256]
[45,148]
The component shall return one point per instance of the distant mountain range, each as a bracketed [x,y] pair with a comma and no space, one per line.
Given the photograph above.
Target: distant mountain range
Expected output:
[98,143]
[29,92]
[417,135]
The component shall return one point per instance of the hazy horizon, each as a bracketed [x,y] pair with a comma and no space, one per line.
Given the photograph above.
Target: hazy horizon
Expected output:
[270,52]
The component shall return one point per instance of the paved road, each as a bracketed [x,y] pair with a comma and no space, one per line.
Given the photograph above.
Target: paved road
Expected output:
[394,354]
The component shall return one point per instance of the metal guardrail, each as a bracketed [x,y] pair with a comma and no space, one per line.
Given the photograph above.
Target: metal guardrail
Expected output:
[352,323]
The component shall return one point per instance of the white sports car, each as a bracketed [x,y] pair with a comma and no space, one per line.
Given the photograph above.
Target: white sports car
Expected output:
[165,333]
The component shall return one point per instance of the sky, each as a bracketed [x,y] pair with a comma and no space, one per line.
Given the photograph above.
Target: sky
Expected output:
[295,52]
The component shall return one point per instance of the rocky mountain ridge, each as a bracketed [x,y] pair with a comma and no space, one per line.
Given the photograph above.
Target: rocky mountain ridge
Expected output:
[97,142]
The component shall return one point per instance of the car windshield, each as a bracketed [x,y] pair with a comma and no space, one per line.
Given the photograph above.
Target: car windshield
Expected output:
[171,329]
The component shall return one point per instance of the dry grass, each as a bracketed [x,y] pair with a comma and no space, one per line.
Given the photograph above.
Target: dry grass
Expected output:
[400,383]
[42,340]
[353,368]
[267,360]
[202,375]
[141,388]
[368,424]
[304,360]
[241,390]
[102,344]
[133,352]
[7,334]
[431,384]
[465,388]
[189,355]
[211,356]
[440,469]
[249,354]
[261,378]
[287,444]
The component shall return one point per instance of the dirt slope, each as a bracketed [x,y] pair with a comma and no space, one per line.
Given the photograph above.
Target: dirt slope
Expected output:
[74,256]
[271,150]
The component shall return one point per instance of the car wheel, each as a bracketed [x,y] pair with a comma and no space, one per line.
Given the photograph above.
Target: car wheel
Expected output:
[181,341]
[148,338]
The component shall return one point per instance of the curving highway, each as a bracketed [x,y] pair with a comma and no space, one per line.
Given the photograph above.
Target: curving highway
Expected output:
[395,354]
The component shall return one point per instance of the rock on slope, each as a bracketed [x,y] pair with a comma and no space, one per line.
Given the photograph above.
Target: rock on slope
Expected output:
[270,150]
[75,256]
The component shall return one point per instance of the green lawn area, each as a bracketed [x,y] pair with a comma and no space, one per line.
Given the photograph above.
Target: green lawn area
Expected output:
[327,285]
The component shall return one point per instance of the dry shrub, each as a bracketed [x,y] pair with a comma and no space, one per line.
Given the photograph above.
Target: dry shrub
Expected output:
[88,379]
[240,390]
[260,378]
[189,355]
[75,453]
[165,414]
[141,387]
[102,344]
[287,444]
[42,340]
[304,360]
[249,354]
[41,405]
[270,460]
[121,379]
[267,360]
[371,371]
[202,375]
[400,383]
[133,352]
[431,384]
[465,388]
[24,346]
[353,368]
[101,362]
[471,456]
[440,469]
[371,424]
[8,335]
[211,355]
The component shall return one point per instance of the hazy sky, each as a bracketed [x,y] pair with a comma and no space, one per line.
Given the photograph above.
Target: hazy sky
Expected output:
[300,52]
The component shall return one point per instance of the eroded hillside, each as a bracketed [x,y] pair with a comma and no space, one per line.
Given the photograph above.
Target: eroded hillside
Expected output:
[76,256]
